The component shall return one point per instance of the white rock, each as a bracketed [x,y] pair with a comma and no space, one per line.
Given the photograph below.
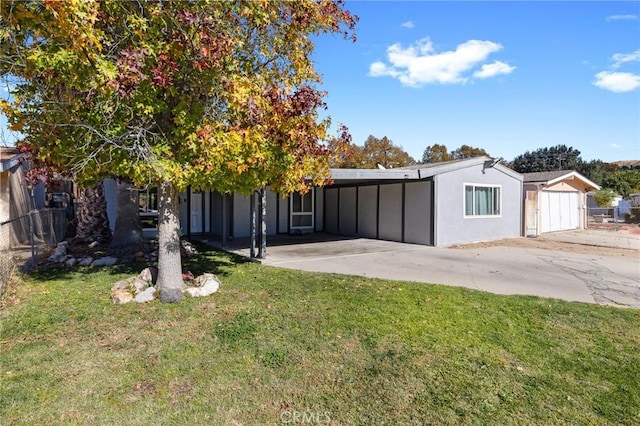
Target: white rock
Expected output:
[139,285]
[145,296]
[71,262]
[149,274]
[201,280]
[210,286]
[93,244]
[105,261]
[121,285]
[121,296]
[60,252]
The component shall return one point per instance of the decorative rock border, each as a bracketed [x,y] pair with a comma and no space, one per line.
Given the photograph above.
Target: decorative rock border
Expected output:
[60,255]
[141,289]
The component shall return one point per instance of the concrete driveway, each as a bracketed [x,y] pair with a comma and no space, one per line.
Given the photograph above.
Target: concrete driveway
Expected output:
[592,277]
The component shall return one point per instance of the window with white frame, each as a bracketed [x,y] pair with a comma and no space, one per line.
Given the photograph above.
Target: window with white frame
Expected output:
[482,200]
[302,210]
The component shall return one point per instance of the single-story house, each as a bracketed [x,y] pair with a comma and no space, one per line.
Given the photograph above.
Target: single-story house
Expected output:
[555,201]
[441,204]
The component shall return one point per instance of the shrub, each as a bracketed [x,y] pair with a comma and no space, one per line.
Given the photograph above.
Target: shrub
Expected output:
[604,197]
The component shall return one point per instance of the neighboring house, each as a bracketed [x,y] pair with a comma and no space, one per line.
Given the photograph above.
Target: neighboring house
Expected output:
[14,195]
[440,204]
[555,201]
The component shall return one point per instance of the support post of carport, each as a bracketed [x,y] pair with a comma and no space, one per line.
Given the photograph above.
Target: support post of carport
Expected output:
[262,253]
[189,212]
[225,220]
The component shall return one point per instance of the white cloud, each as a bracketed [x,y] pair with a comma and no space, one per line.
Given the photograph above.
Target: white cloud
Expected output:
[622,18]
[614,145]
[491,70]
[408,25]
[618,82]
[621,58]
[420,64]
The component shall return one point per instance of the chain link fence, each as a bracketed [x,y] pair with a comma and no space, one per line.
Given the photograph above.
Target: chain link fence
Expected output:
[24,237]
[612,217]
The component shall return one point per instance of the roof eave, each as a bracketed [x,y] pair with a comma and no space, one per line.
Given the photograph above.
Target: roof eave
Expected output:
[364,174]
[450,167]
[10,163]
[571,176]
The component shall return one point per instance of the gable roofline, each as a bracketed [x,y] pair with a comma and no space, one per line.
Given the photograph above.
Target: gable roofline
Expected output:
[450,166]
[554,178]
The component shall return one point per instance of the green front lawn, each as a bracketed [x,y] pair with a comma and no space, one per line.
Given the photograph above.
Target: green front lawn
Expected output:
[276,346]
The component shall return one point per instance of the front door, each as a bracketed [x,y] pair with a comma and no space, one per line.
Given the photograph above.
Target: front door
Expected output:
[196,212]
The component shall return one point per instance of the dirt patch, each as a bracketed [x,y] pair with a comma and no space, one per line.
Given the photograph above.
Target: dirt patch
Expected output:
[541,243]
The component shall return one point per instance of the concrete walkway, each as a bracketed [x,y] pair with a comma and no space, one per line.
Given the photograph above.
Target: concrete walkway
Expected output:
[592,278]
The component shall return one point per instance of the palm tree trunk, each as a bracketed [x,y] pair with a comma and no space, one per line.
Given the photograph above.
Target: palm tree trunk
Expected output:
[170,284]
[93,224]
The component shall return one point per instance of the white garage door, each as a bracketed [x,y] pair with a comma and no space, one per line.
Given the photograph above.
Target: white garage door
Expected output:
[559,211]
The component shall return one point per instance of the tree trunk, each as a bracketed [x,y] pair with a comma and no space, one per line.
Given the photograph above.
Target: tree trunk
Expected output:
[170,282]
[93,223]
[127,235]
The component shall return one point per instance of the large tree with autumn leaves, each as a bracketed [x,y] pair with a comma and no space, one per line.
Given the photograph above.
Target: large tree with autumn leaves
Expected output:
[213,94]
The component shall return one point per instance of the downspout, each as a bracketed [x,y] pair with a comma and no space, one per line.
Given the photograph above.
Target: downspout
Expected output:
[435,211]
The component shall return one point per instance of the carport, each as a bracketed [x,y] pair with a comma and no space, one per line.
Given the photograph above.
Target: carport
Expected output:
[441,204]
[393,205]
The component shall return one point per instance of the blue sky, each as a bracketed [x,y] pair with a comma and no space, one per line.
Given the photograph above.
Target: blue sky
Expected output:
[504,76]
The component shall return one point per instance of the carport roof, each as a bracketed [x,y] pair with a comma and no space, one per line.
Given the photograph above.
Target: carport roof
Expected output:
[418,171]
[356,175]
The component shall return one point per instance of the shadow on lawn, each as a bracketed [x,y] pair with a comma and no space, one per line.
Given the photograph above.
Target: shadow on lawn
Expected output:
[212,261]
[206,260]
